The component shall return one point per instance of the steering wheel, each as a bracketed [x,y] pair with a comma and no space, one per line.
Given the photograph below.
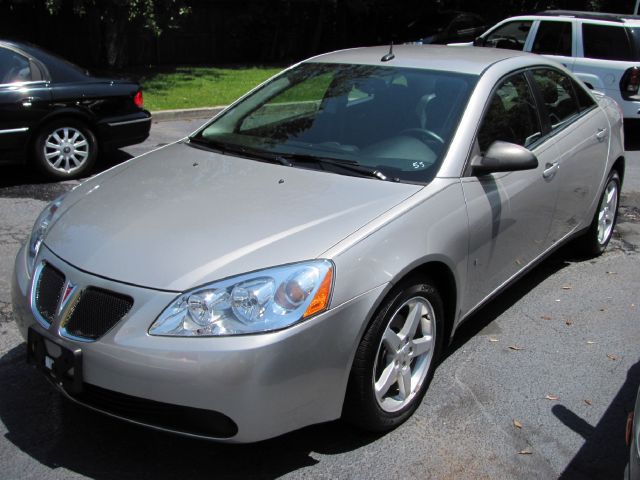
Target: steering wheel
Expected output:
[422,133]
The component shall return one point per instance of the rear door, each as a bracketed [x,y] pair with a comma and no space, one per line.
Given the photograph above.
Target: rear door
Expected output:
[24,99]
[555,39]
[580,131]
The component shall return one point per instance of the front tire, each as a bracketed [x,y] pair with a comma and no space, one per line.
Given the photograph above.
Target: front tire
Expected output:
[595,240]
[396,358]
[65,149]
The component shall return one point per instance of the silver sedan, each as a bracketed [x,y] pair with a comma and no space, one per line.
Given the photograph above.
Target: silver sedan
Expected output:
[309,253]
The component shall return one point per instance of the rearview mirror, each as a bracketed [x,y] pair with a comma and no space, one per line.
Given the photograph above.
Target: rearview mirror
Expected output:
[503,157]
[478,42]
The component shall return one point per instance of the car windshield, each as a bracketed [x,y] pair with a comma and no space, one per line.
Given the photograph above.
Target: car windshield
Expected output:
[384,122]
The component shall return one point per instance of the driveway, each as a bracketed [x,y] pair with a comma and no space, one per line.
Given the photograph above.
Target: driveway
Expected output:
[536,385]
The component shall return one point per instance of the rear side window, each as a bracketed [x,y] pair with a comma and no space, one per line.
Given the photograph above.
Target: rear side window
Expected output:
[512,36]
[585,101]
[558,96]
[511,116]
[14,67]
[606,42]
[553,38]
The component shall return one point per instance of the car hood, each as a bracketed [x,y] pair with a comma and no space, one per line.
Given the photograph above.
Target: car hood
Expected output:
[180,217]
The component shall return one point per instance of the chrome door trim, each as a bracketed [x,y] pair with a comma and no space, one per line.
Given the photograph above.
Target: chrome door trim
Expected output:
[14,130]
[126,122]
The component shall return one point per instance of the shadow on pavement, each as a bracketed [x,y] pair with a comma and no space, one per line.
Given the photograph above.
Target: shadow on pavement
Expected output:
[24,181]
[512,295]
[604,453]
[58,433]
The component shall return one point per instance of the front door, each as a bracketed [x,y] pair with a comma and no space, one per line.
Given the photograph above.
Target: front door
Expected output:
[509,213]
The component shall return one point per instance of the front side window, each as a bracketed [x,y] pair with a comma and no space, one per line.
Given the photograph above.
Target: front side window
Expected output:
[558,96]
[511,116]
[512,35]
[553,38]
[14,67]
[397,121]
[606,42]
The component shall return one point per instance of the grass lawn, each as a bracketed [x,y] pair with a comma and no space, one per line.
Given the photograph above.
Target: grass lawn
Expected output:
[192,87]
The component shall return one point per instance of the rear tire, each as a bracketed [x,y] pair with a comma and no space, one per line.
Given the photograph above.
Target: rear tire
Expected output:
[65,149]
[396,358]
[594,242]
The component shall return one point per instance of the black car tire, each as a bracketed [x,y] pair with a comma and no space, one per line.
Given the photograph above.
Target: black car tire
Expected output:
[592,243]
[363,407]
[73,142]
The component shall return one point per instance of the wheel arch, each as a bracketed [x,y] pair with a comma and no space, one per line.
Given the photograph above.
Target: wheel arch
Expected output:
[619,166]
[62,113]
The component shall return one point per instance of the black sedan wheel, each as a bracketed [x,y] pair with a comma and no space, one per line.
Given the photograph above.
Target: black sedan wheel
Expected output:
[65,149]
[396,358]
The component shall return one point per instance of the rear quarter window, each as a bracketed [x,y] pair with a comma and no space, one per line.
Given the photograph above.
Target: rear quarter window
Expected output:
[607,42]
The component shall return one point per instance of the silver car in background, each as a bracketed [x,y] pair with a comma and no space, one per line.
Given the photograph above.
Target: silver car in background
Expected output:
[309,253]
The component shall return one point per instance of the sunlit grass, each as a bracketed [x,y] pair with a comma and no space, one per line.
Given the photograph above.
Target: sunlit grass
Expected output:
[192,87]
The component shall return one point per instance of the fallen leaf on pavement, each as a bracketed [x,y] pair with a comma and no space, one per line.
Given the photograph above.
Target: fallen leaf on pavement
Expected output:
[612,273]
[569,322]
[611,356]
[526,451]
[492,339]
[517,424]
[589,342]
[603,309]
[587,401]
[515,347]
[567,287]
[545,317]
[552,397]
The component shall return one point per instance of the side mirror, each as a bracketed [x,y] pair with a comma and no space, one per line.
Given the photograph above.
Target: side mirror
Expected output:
[479,42]
[503,157]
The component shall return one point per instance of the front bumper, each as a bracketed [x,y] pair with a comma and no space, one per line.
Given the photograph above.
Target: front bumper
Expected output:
[267,384]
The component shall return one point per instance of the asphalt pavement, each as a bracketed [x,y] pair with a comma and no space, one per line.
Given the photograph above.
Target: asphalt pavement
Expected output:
[537,384]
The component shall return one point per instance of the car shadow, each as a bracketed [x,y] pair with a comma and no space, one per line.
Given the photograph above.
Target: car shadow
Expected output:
[493,309]
[24,181]
[604,453]
[57,433]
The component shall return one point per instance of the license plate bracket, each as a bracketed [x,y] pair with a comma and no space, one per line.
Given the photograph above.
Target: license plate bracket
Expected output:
[65,368]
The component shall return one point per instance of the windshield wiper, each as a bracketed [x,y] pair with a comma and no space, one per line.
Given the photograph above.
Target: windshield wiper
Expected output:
[345,164]
[288,159]
[223,147]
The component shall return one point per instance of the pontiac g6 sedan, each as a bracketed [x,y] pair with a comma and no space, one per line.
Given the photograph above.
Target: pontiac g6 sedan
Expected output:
[309,253]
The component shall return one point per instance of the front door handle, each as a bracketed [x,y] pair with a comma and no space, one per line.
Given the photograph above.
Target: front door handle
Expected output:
[601,134]
[550,170]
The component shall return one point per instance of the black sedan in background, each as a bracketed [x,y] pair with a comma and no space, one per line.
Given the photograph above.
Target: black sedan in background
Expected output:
[59,116]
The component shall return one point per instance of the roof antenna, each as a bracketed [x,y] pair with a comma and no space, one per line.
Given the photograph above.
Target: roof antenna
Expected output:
[390,55]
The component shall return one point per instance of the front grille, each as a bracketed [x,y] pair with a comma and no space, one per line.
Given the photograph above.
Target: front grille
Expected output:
[49,291]
[97,311]
[194,421]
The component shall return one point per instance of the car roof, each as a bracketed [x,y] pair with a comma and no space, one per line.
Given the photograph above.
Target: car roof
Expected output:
[595,17]
[469,60]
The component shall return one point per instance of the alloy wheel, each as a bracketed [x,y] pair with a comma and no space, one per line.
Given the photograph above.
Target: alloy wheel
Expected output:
[404,354]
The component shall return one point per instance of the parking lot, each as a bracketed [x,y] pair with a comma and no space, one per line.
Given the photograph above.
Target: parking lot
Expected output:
[537,384]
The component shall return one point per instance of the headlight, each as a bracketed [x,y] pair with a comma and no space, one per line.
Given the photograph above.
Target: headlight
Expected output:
[257,302]
[40,229]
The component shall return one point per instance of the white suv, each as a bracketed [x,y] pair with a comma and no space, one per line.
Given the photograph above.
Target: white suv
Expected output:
[602,49]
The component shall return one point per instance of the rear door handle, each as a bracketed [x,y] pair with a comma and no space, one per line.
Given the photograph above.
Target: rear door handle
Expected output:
[601,134]
[550,170]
